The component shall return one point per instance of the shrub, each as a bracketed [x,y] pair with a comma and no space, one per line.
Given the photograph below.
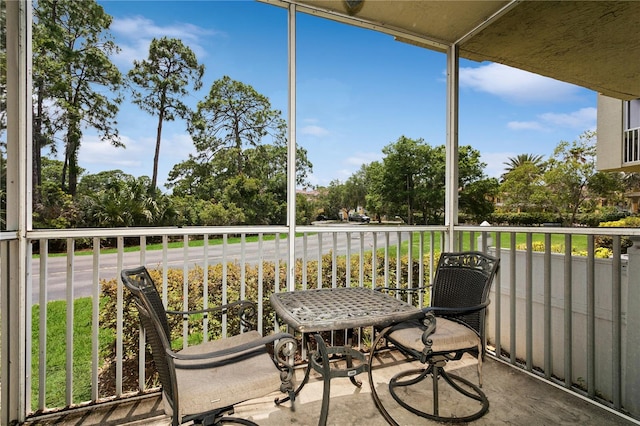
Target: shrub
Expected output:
[540,246]
[538,218]
[595,219]
[195,277]
[625,242]
[599,252]
[524,219]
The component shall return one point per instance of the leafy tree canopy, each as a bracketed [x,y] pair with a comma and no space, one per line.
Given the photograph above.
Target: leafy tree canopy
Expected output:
[234,116]
[241,159]
[72,47]
[566,184]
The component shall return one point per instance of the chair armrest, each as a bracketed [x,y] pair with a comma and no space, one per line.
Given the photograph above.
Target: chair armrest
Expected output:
[455,311]
[408,290]
[429,322]
[247,311]
[254,344]
[220,308]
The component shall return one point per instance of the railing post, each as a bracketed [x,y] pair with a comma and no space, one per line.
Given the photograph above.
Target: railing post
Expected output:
[14,395]
[291,149]
[451,146]
[631,376]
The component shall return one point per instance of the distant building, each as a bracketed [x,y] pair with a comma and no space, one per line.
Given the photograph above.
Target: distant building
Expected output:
[618,146]
[308,192]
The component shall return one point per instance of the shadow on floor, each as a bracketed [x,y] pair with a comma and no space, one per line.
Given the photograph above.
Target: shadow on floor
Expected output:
[515,398]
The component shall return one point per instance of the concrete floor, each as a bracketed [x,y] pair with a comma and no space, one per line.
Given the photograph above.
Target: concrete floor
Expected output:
[515,398]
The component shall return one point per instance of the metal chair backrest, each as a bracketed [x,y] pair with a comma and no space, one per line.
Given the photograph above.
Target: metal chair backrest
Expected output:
[154,320]
[464,280]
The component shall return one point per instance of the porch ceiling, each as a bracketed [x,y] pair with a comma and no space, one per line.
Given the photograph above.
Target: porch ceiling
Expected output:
[594,44]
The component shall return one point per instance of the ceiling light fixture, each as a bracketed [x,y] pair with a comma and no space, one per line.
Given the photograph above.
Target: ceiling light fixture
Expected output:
[353,6]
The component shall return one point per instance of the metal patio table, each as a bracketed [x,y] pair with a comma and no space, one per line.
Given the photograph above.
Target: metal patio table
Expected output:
[328,309]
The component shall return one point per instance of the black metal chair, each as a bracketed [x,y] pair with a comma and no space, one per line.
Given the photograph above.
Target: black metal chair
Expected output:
[453,325]
[203,382]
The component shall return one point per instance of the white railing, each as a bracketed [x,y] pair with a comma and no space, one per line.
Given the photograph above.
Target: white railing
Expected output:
[631,146]
[81,274]
[558,314]
[562,316]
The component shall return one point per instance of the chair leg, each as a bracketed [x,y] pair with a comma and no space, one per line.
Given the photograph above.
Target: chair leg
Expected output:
[235,420]
[435,375]
[437,371]
[374,394]
[292,394]
[217,417]
[480,359]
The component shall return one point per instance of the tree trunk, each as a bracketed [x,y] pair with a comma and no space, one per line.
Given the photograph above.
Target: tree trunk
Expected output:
[71,158]
[73,171]
[63,175]
[38,139]
[156,157]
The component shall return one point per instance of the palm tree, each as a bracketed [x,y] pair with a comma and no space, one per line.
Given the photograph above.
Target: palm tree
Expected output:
[519,160]
[129,202]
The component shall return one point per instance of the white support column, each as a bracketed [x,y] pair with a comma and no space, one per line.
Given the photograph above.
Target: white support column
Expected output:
[451,147]
[14,279]
[291,151]
[631,374]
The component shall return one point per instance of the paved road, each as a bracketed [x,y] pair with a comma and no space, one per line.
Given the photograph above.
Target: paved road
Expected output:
[83,265]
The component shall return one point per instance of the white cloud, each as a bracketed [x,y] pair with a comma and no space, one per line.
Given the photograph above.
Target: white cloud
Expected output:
[583,118]
[139,26]
[97,152]
[524,125]
[515,85]
[343,174]
[176,147]
[135,34]
[137,158]
[350,165]
[495,162]
[360,158]
[313,130]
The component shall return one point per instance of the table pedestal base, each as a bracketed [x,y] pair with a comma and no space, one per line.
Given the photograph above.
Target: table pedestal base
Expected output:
[319,362]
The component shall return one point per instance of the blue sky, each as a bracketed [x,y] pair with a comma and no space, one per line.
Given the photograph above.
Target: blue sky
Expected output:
[357,90]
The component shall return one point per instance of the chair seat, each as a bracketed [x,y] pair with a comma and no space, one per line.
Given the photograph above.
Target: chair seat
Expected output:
[204,389]
[449,336]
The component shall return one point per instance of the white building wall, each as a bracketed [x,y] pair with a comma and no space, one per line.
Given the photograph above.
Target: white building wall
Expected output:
[609,128]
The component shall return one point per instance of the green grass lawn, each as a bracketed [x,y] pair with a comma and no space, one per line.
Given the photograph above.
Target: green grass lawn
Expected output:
[56,352]
[175,245]
[578,242]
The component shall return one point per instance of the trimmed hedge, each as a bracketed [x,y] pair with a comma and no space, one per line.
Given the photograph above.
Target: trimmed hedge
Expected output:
[215,279]
[625,242]
[542,218]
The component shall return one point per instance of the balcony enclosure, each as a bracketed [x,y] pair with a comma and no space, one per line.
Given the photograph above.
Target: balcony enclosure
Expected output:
[567,319]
